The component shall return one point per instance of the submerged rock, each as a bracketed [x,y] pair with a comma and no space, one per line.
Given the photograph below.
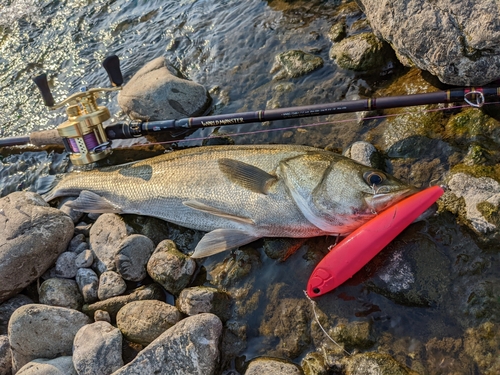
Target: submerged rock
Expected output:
[481,344]
[295,63]
[32,235]
[273,366]
[374,364]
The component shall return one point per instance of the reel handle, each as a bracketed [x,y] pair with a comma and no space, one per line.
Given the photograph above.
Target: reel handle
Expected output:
[112,66]
[43,86]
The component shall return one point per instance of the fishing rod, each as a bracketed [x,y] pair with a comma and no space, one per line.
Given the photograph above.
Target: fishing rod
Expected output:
[87,140]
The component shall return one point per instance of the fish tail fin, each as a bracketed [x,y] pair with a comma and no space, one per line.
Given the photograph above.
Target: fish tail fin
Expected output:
[220,240]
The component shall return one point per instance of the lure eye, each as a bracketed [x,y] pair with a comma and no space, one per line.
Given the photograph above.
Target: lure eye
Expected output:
[374,178]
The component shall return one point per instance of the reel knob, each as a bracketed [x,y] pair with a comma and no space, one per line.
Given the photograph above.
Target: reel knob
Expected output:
[43,86]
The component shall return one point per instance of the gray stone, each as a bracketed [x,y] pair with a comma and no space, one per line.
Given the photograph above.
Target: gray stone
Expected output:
[88,283]
[111,284]
[132,257]
[5,357]
[170,268]
[97,349]
[65,207]
[458,41]
[200,299]
[65,265]
[295,63]
[273,366]
[40,331]
[83,229]
[62,293]
[155,92]
[76,241]
[362,152]
[105,236]
[188,348]
[7,309]
[114,304]
[32,235]
[143,321]
[102,316]
[84,259]
[57,366]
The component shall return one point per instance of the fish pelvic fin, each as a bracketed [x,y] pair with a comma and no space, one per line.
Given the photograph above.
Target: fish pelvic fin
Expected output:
[195,205]
[246,175]
[220,240]
[92,202]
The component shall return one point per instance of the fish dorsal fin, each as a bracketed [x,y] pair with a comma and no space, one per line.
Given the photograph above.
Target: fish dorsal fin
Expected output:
[195,205]
[220,240]
[91,202]
[246,175]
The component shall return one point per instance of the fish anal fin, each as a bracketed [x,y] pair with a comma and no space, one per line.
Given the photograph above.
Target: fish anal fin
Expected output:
[199,206]
[220,240]
[246,175]
[91,202]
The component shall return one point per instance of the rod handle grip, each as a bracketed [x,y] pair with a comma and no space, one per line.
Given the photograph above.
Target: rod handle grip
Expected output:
[112,66]
[43,86]
[45,138]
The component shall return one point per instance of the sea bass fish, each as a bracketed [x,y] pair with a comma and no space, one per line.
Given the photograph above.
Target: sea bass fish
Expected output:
[239,194]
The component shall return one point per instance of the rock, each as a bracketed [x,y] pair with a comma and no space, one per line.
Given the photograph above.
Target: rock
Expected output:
[442,37]
[66,265]
[364,153]
[106,234]
[482,200]
[83,229]
[170,268]
[190,347]
[482,343]
[58,366]
[235,267]
[338,31]
[372,363]
[114,304]
[273,366]
[88,283]
[102,316]
[62,293]
[111,284]
[354,335]
[314,364]
[295,63]
[202,299]
[132,257]
[76,241]
[143,97]
[32,235]
[360,52]
[97,349]
[281,248]
[66,208]
[7,309]
[5,357]
[84,259]
[40,331]
[143,321]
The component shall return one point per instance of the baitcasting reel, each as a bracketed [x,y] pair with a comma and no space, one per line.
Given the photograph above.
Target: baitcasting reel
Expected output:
[83,133]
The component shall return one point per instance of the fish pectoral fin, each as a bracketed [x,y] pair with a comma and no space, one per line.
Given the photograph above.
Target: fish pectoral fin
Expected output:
[92,202]
[220,240]
[195,205]
[246,175]
[45,184]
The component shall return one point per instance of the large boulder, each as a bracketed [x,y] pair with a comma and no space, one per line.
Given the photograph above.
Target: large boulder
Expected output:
[458,41]
[32,235]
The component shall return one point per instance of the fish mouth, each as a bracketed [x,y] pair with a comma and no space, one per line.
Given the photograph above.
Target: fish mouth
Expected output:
[382,200]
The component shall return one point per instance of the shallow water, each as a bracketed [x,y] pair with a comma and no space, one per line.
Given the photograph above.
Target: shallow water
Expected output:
[231,45]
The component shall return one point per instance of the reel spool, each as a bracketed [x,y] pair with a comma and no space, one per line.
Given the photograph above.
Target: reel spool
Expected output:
[83,133]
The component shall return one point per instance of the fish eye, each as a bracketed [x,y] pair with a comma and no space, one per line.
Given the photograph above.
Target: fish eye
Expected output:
[374,178]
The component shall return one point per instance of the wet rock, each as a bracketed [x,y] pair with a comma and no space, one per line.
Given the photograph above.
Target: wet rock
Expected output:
[106,234]
[354,335]
[235,267]
[58,366]
[364,153]
[282,248]
[170,268]
[111,284]
[132,257]
[8,307]
[33,235]
[5,357]
[482,345]
[425,35]
[338,31]
[84,259]
[114,304]
[295,63]
[314,364]
[143,97]
[361,52]
[97,349]
[88,283]
[202,299]
[481,301]
[143,321]
[273,366]
[62,293]
[196,337]
[40,331]
[373,364]
[66,265]
[234,341]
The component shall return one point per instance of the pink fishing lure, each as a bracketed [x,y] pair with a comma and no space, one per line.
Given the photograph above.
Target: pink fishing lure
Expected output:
[357,249]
